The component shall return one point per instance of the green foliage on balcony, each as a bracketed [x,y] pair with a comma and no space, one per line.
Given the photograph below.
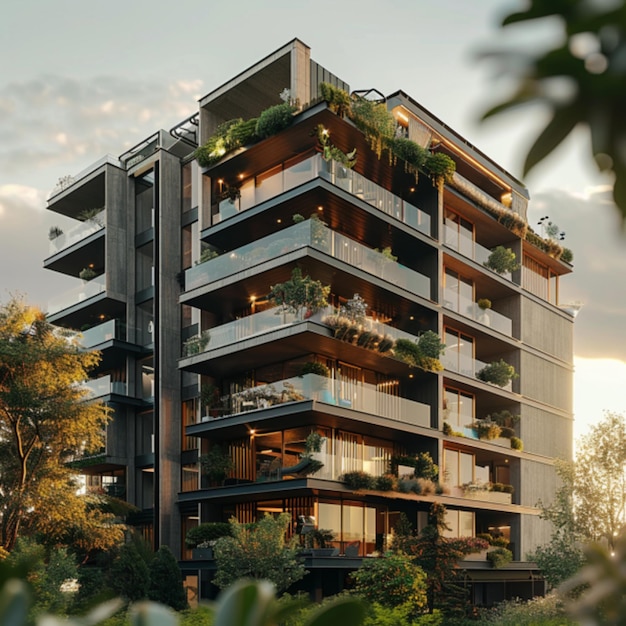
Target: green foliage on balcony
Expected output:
[274,119]
[421,354]
[207,532]
[216,464]
[499,557]
[358,480]
[502,260]
[516,443]
[300,295]
[498,373]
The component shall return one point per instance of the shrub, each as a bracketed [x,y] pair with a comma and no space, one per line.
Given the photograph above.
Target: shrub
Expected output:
[430,344]
[567,255]
[128,575]
[166,582]
[216,464]
[499,557]
[409,151]
[498,373]
[244,132]
[315,367]
[502,260]
[386,344]
[339,100]
[359,480]
[208,531]
[386,482]
[440,167]
[486,429]
[502,487]
[274,119]
[393,580]
[507,432]
[425,467]
[484,303]
[516,443]
[426,486]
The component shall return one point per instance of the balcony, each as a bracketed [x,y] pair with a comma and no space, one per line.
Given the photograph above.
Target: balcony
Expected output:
[455,302]
[81,293]
[361,397]
[461,240]
[465,365]
[107,331]
[357,185]
[104,386]
[78,233]
[312,234]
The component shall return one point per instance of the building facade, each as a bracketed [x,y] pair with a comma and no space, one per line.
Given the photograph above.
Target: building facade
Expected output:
[181,269]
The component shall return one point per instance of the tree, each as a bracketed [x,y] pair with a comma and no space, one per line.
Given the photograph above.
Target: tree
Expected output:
[589,59]
[45,422]
[300,294]
[128,575]
[166,582]
[392,581]
[258,551]
[438,555]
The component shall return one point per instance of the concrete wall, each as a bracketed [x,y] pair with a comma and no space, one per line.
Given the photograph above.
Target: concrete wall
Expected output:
[547,330]
[546,433]
[546,382]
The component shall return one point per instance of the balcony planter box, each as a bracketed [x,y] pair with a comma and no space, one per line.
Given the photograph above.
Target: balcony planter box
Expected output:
[477,556]
[202,553]
[497,497]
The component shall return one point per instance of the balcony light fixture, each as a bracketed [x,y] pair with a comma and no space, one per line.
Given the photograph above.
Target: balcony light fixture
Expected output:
[279,221]
[402,116]
[320,208]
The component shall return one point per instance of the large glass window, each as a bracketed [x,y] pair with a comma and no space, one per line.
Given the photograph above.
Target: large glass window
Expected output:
[459,354]
[458,292]
[460,523]
[458,467]
[459,233]
[458,407]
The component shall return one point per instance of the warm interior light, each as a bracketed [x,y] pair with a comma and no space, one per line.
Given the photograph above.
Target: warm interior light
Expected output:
[252,431]
[320,208]
[411,318]
[410,375]
[412,189]
[402,116]
[279,221]
[91,265]
[240,176]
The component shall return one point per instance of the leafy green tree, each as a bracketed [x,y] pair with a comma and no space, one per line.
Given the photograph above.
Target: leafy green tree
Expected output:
[129,575]
[392,581]
[166,582]
[438,555]
[44,423]
[300,293]
[258,551]
[580,81]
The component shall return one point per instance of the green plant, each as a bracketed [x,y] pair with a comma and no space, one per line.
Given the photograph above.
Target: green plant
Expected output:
[319,538]
[314,442]
[502,260]
[207,532]
[54,232]
[483,303]
[297,218]
[92,215]
[206,255]
[197,343]
[387,254]
[567,255]
[330,152]
[210,396]
[128,575]
[216,464]
[166,583]
[274,119]
[375,121]
[486,429]
[243,132]
[410,352]
[300,294]
[386,482]
[315,367]
[87,273]
[499,557]
[440,167]
[230,193]
[516,443]
[338,100]
[359,480]
[430,345]
[258,551]
[355,309]
[221,142]
[498,373]
[502,488]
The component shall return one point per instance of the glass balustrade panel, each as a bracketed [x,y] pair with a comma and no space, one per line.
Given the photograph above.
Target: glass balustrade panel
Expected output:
[77,294]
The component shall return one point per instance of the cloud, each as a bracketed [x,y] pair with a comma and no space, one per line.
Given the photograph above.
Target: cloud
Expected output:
[594,234]
[56,121]
[15,198]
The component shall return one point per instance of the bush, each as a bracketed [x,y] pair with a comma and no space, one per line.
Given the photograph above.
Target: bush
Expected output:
[315,367]
[499,557]
[486,430]
[128,575]
[516,443]
[440,166]
[386,482]
[338,99]
[209,531]
[359,480]
[166,582]
[546,611]
[430,345]
[392,581]
[502,260]
[567,255]
[498,373]
[244,132]
[409,151]
[274,119]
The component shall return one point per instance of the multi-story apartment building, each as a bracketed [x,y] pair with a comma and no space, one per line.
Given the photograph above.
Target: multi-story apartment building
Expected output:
[175,263]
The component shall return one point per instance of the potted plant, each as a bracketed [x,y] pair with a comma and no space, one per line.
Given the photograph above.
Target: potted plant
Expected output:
[197,343]
[210,399]
[216,464]
[202,538]
[318,542]
[54,232]
[498,373]
[484,304]
[300,294]
[87,274]
[502,260]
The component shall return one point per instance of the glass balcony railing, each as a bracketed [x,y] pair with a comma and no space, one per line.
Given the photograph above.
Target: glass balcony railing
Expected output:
[358,396]
[112,329]
[462,364]
[104,386]
[79,232]
[455,302]
[78,294]
[461,240]
[313,234]
[253,192]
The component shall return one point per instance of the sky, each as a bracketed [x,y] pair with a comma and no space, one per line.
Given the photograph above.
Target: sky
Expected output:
[84,79]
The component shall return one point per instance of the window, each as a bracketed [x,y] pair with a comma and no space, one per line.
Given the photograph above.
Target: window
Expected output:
[458,407]
[458,467]
[144,202]
[460,523]
[458,292]
[459,233]
[459,354]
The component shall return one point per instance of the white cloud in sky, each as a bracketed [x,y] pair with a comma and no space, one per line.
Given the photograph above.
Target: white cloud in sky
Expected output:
[19,198]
